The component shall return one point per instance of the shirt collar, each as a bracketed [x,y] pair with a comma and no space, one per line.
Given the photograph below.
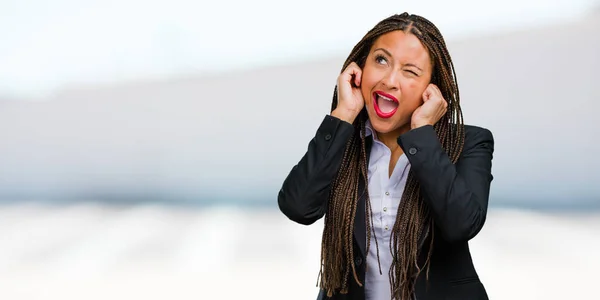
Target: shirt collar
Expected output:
[369,130]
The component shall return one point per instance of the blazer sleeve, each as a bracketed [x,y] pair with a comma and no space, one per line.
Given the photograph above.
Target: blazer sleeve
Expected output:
[457,194]
[305,191]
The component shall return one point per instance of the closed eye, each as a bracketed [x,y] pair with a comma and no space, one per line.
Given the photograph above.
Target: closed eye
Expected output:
[412,72]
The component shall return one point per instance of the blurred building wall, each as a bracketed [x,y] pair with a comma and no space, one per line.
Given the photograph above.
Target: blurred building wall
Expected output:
[188,139]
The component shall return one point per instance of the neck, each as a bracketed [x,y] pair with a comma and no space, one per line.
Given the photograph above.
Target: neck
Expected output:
[390,139]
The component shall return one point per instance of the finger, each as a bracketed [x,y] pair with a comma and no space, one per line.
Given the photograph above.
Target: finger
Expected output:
[355,71]
[443,106]
[349,72]
[433,88]
[444,102]
[438,92]
[427,94]
[358,78]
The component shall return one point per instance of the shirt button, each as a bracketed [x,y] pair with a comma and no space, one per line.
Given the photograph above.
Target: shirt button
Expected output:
[412,151]
[386,227]
[387,193]
[385,209]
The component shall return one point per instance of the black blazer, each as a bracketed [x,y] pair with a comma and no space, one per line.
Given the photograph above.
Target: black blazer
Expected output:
[457,195]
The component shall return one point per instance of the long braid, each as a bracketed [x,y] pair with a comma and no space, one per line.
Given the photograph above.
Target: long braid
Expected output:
[413,220]
[368,210]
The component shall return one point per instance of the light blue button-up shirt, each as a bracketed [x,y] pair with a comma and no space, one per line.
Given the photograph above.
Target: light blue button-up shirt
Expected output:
[385,193]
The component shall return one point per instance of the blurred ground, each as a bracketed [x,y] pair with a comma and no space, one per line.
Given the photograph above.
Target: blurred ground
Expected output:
[91,251]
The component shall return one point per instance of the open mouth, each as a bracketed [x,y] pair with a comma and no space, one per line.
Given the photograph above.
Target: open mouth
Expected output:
[385,105]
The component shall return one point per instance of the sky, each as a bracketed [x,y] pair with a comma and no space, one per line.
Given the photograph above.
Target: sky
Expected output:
[46,45]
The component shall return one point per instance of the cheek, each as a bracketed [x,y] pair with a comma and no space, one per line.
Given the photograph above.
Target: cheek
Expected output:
[366,88]
[371,79]
[412,92]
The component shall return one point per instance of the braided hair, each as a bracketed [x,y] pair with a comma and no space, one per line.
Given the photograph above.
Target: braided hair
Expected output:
[414,222]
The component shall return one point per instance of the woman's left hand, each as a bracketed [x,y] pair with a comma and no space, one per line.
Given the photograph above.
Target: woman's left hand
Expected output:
[433,108]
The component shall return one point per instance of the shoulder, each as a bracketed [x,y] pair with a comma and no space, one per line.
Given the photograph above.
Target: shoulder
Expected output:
[474,132]
[477,136]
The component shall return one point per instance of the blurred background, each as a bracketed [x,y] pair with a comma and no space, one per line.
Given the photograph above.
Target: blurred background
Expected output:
[143,143]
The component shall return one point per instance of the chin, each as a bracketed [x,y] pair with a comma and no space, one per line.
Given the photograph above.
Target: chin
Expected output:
[385,125]
[382,126]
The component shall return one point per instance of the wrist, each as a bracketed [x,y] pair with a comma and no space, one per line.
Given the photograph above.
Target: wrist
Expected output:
[344,115]
[415,125]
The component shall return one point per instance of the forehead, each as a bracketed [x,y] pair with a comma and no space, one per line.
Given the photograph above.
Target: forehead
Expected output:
[403,46]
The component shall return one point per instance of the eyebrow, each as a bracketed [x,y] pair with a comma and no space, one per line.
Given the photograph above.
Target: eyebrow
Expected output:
[390,54]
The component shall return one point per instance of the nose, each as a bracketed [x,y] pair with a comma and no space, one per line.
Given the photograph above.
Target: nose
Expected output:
[391,80]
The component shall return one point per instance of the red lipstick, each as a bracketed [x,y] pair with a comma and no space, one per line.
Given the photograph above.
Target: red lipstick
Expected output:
[381,96]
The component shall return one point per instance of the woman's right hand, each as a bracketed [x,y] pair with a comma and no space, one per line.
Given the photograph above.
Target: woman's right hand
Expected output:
[350,99]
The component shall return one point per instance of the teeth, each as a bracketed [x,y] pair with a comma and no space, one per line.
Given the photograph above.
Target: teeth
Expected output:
[385,98]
